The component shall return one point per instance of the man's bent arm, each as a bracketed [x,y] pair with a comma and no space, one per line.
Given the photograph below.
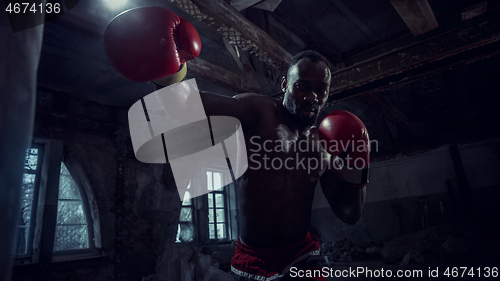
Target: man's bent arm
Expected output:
[346,201]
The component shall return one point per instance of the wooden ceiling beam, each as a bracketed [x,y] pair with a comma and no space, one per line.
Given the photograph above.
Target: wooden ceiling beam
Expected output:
[333,56]
[268,5]
[417,14]
[241,5]
[239,83]
[235,55]
[452,49]
[251,37]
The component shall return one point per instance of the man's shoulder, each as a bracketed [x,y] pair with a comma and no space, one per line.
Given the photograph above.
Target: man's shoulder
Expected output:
[259,107]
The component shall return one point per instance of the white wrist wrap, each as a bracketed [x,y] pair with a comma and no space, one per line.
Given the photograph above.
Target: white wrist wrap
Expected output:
[355,176]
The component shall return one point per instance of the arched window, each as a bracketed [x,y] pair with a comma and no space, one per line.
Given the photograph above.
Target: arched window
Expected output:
[74,228]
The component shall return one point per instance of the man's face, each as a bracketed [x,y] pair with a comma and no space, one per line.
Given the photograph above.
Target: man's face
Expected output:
[306,90]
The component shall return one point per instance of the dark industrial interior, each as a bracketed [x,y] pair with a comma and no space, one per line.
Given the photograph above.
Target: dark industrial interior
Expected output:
[420,74]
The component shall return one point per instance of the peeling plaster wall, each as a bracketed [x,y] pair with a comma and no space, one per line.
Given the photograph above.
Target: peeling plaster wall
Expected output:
[396,186]
[138,203]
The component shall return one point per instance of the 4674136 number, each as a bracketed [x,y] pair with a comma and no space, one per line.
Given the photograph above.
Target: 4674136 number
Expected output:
[23,8]
[464,271]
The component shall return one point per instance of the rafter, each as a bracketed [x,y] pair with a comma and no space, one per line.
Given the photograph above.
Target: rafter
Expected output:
[241,5]
[452,49]
[333,56]
[213,73]
[268,5]
[417,15]
[224,18]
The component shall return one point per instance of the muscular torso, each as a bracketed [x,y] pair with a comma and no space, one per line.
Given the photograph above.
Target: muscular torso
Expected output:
[277,190]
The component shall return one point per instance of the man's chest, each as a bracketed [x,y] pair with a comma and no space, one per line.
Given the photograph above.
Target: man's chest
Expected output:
[278,148]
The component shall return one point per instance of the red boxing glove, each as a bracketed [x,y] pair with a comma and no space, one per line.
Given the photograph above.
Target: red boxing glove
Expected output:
[343,134]
[150,43]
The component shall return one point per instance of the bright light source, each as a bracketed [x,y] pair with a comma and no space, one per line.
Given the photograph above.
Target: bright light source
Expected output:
[115,4]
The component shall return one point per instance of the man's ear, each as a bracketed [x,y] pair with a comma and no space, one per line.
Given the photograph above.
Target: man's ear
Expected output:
[283,84]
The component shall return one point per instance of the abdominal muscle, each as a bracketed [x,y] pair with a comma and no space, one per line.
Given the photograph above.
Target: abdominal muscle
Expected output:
[275,207]
[275,202]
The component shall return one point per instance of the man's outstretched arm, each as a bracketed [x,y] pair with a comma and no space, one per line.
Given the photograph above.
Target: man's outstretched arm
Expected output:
[245,107]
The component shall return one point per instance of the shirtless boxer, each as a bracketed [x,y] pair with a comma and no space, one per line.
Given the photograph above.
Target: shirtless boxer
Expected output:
[275,203]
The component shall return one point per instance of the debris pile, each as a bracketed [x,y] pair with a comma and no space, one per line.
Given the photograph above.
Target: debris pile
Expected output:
[184,262]
[437,243]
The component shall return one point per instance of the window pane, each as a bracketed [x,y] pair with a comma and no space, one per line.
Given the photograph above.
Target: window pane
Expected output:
[209,181]
[211,230]
[221,230]
[211,200]
[186,214]
[70,212]
[28,186]
[70,237]
[31,159]
[187,199]
[71,230]
[219,200]
[22,239]
[217,181]
[220,215]
[210,215]
[186,232]
[23,230]
[67,186]
[26,212]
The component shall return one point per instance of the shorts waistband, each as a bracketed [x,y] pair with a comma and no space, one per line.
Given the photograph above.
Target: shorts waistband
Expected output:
[307,238]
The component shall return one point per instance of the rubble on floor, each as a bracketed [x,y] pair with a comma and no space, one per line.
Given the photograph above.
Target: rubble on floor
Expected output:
[184,262]
[437,243]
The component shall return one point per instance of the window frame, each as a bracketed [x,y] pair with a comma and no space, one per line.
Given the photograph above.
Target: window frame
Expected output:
[43,239]
[34,207]
[86,210]
[226,207]
[200,210]
[193,218]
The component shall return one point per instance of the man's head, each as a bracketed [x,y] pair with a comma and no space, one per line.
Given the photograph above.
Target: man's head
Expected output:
[306,86]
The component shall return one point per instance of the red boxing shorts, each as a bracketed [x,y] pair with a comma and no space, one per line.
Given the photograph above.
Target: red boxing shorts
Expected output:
[249,263]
